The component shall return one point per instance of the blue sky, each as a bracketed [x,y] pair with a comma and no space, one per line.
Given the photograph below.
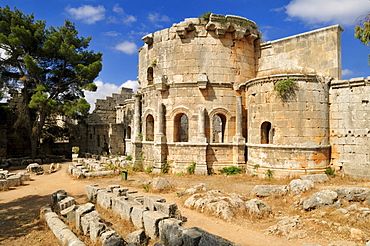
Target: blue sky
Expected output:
[117,26]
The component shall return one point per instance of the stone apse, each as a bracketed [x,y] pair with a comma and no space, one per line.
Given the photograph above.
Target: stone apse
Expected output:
[207,96]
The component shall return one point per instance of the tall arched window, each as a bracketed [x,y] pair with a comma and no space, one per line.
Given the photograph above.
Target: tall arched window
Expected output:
[149,135]
[266,133]
[218,128]
[150,75]
[181,130]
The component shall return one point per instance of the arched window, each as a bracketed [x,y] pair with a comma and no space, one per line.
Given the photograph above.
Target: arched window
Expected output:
[150,75]
[218,128]
[181,131]
[149,135]
[267,133]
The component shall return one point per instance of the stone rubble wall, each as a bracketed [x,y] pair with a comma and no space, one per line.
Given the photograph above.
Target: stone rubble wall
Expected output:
[158,218]
[349,126]
[8,180]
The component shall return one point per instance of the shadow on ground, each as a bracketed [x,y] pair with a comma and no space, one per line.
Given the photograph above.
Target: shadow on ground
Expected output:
[20,217]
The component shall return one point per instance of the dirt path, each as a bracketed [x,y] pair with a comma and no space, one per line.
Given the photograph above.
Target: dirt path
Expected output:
[19,209]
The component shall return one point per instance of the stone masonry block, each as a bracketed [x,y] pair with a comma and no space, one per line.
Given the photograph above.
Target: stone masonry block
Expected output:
[137,216]
[136,197]
[81,211]
[111,187]
[151,220]
[97,228]
[211,239]
[4,184]
[69,214]
[57,197]
[150,200]
[14,181]
[111,238]
[92,192]
[170,232]
[123,207]
[104,199]
[137,238]
[191,236]
[65,203]
[85,221]
[120,191]
[168,208]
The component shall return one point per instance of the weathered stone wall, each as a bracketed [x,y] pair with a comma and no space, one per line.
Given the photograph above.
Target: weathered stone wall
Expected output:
[349,126]
[317,51]
[288,132]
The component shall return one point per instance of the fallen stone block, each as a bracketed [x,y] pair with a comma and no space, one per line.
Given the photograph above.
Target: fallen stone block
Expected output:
[57,197]
[86,219]
[14,181]
[65,203]
[316,178]
[258,208]
[104,199]
[123,207]
[137,238]
[81,211]
[170,232]
[150,200]
[24,176]
[137,216]
[135,196]
[168,208]
[92,192]
[69,214]
[97,228]
[353,194]
[151,220]
[297,186]
[111,187]
[211,239]
[268,190]
[111,238]
[4,184]
[4,174]
[319,199]
[120,191]
[191,236]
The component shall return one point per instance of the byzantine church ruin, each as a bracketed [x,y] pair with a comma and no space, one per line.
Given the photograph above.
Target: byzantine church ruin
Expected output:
[212,92]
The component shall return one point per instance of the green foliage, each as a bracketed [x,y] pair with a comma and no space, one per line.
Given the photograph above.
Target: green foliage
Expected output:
[191,169]
[362,31]
[153,63]
[146,187]
[206,16]
[285,88]
[269,173]
[255,167]
[75,150]
[128,158]
[165,168]
[330,171]
[51,66]
[232,170]
[149,169]
[180,174]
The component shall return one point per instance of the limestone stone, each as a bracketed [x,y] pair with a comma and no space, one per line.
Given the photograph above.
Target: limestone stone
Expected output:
[319,199]
[137,216]
[151,220]
[92,192]
[111,238]
[170,232]
[160,184]
[104,199]
[149,201]
[4,184]
[258,208]
[57,197]
[81,211]
[353,194]
[297,186]
[97,228]
[123,207]
[69,214]
[317,178]
[268,190]
[169,208]
[14,181]
[86,219]
[137,238]
[120,191]
[64,204]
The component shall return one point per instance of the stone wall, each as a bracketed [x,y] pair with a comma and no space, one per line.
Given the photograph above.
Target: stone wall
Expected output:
[317,51]
[349,126]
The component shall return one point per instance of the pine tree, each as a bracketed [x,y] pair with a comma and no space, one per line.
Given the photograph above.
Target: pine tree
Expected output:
[362,31]
[50,67]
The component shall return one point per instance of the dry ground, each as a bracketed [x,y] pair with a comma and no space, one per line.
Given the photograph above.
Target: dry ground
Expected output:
[20,224]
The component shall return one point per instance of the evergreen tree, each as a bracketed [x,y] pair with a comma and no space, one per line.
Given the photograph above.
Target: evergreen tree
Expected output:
[50,67]
[362,31]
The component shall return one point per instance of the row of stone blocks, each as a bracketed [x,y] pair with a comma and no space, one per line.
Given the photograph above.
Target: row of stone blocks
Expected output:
[158,218]
[81,171]
[8,180]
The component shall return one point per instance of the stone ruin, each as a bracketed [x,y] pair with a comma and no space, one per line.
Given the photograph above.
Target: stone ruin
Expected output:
[207,95]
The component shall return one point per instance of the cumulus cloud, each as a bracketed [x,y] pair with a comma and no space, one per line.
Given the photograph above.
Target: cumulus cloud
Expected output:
[87,13]
[112,34]
[344,12]
[346,72]
[156,17]
[107,89]
[117,9]
[129,19]
[127,47]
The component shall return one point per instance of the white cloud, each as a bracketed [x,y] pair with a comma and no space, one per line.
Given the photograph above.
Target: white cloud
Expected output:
[158,18]
[129,19]
[112,33]
[344,12]
[127,47]
[106,89]
[346,72]
[87,13]
[117,9]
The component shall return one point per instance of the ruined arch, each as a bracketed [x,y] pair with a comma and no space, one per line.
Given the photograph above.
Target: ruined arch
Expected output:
[219,123]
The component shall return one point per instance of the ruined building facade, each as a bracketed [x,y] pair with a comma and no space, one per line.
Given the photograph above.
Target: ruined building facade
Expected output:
[207,95]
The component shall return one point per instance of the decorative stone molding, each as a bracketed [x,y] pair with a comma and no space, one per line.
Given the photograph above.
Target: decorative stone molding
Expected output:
[160,83]
[202,81]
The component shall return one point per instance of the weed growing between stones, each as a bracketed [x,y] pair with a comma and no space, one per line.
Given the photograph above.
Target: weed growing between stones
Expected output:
[232,170]
[191,169]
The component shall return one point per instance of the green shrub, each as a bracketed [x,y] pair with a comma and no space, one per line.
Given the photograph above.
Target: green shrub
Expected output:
[128,158]
[330,171]
[206,16]
[149,169]
[146,187]
[165,168]
[285,88]
[232,170]
[191,169]
[269,174]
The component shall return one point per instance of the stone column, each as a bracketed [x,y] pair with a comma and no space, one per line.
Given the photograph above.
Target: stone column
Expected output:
[136,139]
[160,140]
[238,139]
[201,165]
